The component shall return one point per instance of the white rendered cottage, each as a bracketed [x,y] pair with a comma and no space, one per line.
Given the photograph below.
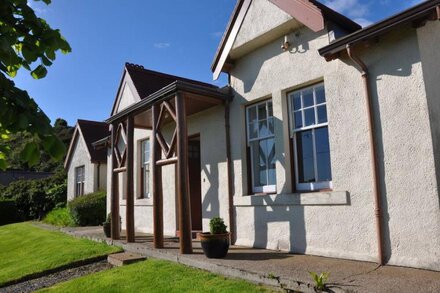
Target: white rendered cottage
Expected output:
[86,163]
[326,141]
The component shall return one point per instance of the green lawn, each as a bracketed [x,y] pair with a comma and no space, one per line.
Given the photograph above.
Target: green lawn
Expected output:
[155,276]
[26,249]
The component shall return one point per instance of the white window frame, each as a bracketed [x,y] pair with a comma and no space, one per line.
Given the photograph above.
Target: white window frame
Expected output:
[309,186]
[80,182]
[264,188]
[145,169]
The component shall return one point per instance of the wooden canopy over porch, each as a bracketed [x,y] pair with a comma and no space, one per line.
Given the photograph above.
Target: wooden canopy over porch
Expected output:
[172,103]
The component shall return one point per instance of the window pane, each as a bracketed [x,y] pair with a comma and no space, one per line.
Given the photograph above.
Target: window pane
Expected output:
[308,98]
[252,114]
[298,119]
[262,114]
[270,109]
[322,114]
[320,94]
[323,154]
[253,130]
[270,143]
[296,101]
[259,163]
[306,169]
[270,122]
[309,117]
[263,128]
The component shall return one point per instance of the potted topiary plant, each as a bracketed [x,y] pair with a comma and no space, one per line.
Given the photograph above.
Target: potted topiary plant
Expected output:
[107,225]
[215,244]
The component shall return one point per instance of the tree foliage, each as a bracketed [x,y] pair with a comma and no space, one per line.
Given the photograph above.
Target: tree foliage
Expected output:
[18,141]
[26,41]
[34,198]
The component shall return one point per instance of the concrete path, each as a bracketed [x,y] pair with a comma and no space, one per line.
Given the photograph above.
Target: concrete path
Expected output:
[280,269]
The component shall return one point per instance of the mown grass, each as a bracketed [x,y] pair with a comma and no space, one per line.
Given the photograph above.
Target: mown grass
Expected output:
[155,276]
[26,249]
[59,217]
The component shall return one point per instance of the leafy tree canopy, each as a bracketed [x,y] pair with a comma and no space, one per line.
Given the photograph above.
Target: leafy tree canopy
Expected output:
[26,41]
[18,141]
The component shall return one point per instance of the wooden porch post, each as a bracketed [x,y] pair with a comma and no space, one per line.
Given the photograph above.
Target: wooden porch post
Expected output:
[157,182]
[183,195]
[114,194]
[129,186]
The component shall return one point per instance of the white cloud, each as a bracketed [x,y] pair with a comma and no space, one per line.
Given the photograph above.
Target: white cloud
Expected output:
[162,45]
[352,8]
[36,7]
[217,35]
[363,22]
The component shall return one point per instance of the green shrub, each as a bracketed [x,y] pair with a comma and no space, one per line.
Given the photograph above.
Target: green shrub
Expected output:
[8,212]
[217,226]
[59,217]
[89,209]
[35,198]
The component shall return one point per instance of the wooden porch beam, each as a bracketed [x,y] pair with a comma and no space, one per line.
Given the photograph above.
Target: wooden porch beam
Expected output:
[183,194]
[157,182]
[114,194]
[129,207]
[167,161]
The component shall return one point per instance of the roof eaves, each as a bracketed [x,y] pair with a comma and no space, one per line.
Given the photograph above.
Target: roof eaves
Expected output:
[168,91]
[409,15]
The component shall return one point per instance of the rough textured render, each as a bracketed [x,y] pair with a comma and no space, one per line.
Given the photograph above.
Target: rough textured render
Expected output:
[126,98]
[406,154]
[251,30]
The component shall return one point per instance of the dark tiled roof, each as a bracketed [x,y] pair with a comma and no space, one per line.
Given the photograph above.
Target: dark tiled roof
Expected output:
[93,131]
[149,81]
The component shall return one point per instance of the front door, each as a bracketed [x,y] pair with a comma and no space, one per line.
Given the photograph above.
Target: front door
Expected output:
[195,183]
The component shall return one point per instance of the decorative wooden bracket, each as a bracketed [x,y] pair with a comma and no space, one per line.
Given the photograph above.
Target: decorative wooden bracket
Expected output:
[120,155]
[167,149]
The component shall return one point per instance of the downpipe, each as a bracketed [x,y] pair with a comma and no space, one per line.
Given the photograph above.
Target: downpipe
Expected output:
[371,125]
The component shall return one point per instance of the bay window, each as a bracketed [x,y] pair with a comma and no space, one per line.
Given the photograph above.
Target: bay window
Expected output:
[261,144]
[309,134]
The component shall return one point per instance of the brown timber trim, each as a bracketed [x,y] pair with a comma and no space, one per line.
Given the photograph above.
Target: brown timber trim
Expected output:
[114,193]
[120,170]
[157,183]
[168,161]
[166,93]
[183,195]
[374,165]
[422,11]
[230,172]
[129,208]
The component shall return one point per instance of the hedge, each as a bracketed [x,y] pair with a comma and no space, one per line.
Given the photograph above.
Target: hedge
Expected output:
[8,212]
[89,209]
[35,198]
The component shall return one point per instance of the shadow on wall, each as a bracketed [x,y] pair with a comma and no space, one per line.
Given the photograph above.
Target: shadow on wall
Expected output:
[299,45]
[266,211]
[211,202]
[383,61]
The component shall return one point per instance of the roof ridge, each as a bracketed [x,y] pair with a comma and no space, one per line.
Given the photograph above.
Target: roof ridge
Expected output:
[90,121]
[142,69]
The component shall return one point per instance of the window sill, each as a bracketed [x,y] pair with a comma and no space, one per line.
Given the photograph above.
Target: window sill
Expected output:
[138,202]
[292,199]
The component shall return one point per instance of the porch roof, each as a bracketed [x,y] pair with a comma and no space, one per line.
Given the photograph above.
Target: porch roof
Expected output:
[202,97]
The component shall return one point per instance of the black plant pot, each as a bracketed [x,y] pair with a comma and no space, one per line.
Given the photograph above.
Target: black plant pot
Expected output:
[214,245]
[107,227]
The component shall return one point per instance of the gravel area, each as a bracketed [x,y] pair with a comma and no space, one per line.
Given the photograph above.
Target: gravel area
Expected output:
[52,279]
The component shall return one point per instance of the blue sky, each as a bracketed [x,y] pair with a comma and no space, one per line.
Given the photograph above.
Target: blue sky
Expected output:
[175,36]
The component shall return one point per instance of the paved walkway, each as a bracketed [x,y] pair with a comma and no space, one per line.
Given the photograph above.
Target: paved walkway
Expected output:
[281,269]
